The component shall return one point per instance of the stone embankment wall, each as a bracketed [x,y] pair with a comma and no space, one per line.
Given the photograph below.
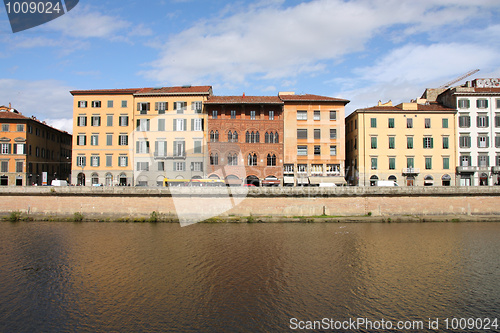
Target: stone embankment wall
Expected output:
[123,202]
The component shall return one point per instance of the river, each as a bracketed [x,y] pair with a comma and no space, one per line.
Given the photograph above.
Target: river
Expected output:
[132,277]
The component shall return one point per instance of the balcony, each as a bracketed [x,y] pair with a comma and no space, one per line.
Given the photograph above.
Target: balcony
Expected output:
[495,169]
[466,169]
[410,171]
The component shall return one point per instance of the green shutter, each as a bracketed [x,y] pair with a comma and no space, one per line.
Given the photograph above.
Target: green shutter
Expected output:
[175,125]
[432,142]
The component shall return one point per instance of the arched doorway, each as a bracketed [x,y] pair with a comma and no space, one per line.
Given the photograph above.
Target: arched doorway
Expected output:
[213,176]
[81,179]
[446,180]
[123,179]
[95,179]
[373,180]
[271,181]
[483,179]
[109,179]
[252,181]
[393,178]
[410,181]
[428,180]
[233,180]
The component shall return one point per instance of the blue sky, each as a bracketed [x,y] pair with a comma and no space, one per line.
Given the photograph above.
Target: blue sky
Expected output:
[360,50]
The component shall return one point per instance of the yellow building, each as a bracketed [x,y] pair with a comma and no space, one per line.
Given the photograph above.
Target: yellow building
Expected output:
[31,152]
[412,144]
[102,125]
[314,150]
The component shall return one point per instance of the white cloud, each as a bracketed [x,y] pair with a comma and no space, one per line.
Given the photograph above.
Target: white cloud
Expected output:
[47,99]
[270,41]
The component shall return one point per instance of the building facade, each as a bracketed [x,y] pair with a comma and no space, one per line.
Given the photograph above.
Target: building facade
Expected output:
[314,149]
[31,152]
[478,130]
[412,144]
[169,139]
[245,139]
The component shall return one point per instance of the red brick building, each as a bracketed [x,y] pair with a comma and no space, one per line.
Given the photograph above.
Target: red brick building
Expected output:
[245,139]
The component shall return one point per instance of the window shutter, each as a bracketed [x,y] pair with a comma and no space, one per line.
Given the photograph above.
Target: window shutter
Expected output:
[175,125]
[147,124]
[165,149]
[156,106]
[156,148]
[15,149]
[192,106]
[487,121]
[487,142]
[185,124]
[147,147]
[138,125]
[138,106]
[147,106]
[137,147]
[192,124]
[203,124]
[166,105]
[24,150]
[432,142]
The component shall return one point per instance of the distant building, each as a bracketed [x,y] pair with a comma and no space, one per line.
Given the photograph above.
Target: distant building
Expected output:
[31,152]
[245,139]
[412,144]
[314,146]
[478,130]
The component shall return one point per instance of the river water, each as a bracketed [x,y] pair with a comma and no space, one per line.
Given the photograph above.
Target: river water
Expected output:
[119,277]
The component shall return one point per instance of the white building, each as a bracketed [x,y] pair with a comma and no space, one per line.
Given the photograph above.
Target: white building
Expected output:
[478,130]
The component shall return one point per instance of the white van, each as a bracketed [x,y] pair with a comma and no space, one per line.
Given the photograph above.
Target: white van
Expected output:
[387,183]
[57,182]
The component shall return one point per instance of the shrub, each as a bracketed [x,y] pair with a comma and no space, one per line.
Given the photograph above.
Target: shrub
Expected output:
[78,217]
[15,216]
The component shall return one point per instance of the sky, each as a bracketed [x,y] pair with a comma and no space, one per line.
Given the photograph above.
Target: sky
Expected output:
[360,50]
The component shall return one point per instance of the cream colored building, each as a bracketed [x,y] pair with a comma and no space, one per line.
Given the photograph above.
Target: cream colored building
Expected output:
[314,150]
[413,144]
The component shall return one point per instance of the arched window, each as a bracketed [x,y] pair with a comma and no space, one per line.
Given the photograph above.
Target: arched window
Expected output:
[214,159]
[212,136]
[271,160]
[247,137]
[229,136]
[252,137]
[252,159]
[276,138]
[257,137]
[216,136]
[232,159]
[266,138]
[235,136]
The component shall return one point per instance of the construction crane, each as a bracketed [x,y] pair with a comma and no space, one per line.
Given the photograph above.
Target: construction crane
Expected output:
[447,85]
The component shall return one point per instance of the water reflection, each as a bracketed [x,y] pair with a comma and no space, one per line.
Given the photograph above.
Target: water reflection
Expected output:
[241,277]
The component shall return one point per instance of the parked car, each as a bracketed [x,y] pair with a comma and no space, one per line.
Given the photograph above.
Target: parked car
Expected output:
[57,182]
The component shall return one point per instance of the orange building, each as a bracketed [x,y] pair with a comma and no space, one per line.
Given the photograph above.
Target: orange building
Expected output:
[31,152]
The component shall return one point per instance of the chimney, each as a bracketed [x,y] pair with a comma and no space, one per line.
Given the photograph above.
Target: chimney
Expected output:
[10,106]
[243,95]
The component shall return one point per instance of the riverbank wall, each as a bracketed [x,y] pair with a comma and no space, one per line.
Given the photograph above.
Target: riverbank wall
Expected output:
[263,204]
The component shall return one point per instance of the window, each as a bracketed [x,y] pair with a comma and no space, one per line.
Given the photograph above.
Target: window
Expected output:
[232,159]
[233,114]
[142,147]
[302,115]
[333,150]
[409,122]
[497,141]
[446,163]
[109,120]
[464,121]
[302,150]
[4,166]
[498,103]
[19,148]
[465,160]
[94,139]
[109,160]
[214,114]
[96,104]
[143,107]
[110,104]
[19,166]
[317,150]
[374,142]
[142,166]
[463,104]
[333,133]
[317,115]
[214,159]
[271,115]
[123,161]
[271,160]
[197,166]
[197,124]
[252,159]
[288,168]
[180,107]
[20,128]
[161,125]
[374,163]
[391,122]
[160,148]
[124,104]
[82,121]
[483,141]
[482,121]
[301,133]
[483,161]
[161,107]
[445,122]
[252,115]
[123,140]
[428,163]
[427,122]
[81,161]
[446,143]
[392,142]
[160,166]
[392,163]
[373,122]
[179,166]
[410,162]
[233,136]
[464,141]
[214,136]
[123,120]
[333,115]
[482,103]
[180,125]
[196,106]
[81,140]
[179,149]
[428,143]
[82,104]
[497,120]
[301,168]
[317,134]
[94,161]
[143,125]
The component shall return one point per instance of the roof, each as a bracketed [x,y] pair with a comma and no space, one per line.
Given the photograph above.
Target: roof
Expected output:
[429,107]
[5,114]
[244,100]
[105,92]
[311,98]
[182,90]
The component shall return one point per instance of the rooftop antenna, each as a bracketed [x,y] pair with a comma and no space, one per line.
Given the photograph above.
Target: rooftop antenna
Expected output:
[447,85]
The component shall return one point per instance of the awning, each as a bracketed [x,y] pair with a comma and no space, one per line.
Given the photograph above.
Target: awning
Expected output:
[233,181]
[271,182]
[288,180]
[337,180]
[303,180]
